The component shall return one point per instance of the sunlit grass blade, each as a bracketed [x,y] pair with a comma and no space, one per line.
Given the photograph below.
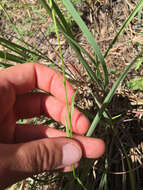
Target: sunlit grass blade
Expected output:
[110,95]
[62,19]
[72,104]
[88,69]
[7,56]
[131,16]
[68,132]
[49,11]
[88,35]
[22,50]
[16,51]
[64,28]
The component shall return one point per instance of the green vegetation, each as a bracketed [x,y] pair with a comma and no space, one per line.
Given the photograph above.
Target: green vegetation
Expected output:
[119,168]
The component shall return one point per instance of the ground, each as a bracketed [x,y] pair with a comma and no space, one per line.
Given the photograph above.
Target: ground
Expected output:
[104,19]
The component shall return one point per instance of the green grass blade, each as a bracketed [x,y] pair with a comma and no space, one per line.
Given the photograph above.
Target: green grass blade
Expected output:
[88,69]
[99,106]
[16,51]
[88,35]
[49,11]
[69,112]
[131,16]
[68,35]
[72,103]
[62,19]
[4,65]
[10,57]
[20,36]
[110,95]
[68,133]
[5,42]
[103,181]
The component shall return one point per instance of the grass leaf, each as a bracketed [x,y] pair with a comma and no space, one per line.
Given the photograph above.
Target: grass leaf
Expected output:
[124,26]
[64,27]
[88,35]
[111,94]
[72,104]
[135,84]
[10,57]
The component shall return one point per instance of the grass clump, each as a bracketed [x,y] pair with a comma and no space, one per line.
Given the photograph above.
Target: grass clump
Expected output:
[112,108]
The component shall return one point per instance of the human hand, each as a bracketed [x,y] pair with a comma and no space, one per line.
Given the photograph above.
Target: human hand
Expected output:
[26,150]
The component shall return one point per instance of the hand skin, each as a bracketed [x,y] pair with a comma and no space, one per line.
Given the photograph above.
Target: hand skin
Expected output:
[26,150]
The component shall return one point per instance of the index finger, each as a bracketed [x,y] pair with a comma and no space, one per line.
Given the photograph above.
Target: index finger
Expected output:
[28,76]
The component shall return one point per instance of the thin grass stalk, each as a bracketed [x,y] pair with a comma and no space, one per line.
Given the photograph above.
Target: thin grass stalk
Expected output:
[110,95]
[131,16]
[69,112]
[60,53]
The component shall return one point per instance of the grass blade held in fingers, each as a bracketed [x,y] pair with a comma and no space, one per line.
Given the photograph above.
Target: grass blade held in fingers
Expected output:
[69,112]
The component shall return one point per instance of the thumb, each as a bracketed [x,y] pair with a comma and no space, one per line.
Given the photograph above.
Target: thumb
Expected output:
[27,159]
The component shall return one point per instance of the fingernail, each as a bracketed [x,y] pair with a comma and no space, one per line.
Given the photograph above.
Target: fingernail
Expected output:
[71,154]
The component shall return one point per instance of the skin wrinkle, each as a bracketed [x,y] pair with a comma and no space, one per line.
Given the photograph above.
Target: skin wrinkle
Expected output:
[9,123]
[11,98]
[35,74]
[52,158]
[41,150]
[42,105]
